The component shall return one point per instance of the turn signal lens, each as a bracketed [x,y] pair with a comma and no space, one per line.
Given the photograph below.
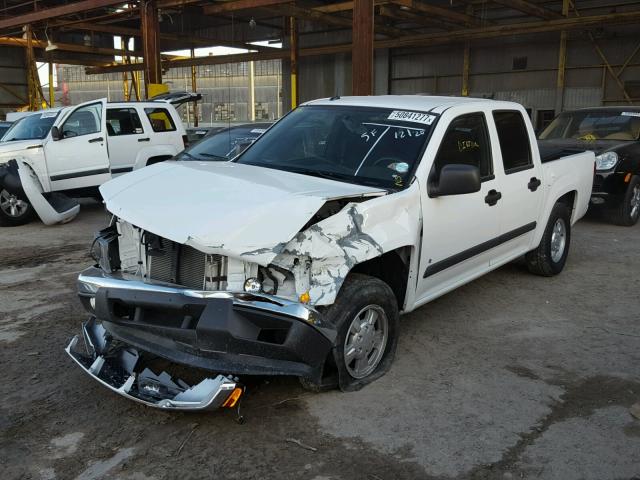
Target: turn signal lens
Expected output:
[305,297]
[233,398]
[627,178]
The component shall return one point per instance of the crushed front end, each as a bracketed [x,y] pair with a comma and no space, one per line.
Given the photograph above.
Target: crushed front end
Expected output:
[151,297]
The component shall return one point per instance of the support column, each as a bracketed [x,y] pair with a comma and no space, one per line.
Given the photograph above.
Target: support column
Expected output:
[150,43]
[125,75]
[362,48]
[293,48]
[194,88]
[52,94]
[465,70]
[562,62]
[252,92]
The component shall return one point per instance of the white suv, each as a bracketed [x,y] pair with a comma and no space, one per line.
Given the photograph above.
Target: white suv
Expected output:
[49,157]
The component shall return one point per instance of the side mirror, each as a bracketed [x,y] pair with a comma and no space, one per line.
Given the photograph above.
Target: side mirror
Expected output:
[55,134]
[455,179]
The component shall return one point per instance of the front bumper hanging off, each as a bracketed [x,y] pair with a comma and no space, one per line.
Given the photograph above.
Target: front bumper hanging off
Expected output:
[117,367]
[233,333]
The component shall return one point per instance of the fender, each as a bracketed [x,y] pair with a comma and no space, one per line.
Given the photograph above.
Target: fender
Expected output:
[146,153]
[20,179]
[10,179]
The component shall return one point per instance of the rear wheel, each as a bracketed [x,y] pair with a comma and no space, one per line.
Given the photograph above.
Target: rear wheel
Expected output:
[628,212]
[551,255]
[13,210]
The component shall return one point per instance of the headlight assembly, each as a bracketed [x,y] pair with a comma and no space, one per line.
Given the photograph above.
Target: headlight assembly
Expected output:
[606,161]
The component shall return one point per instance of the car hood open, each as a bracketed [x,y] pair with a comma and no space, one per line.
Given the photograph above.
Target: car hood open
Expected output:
[223,207]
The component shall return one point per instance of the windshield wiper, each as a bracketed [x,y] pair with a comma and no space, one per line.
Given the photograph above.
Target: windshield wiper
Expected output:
[211,155]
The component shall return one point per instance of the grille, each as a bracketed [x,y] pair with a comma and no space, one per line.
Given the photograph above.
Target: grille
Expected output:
[174,263]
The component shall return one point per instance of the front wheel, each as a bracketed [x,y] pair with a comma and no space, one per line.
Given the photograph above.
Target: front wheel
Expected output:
[628,212]
[551,255]
[365,314]
[13,210]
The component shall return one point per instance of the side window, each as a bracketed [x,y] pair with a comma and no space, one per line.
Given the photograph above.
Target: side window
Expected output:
[160,119]
[83,121]
[514,141]
[466,142]
[123,121]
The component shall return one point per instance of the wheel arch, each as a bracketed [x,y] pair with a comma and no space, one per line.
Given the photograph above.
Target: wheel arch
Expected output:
[391,267]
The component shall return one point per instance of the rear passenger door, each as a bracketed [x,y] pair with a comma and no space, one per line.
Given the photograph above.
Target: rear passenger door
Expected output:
[126,137]
[165,130]
[520,183]
[459,230]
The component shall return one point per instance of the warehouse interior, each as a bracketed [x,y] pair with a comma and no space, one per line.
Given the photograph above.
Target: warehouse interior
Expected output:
[256,59]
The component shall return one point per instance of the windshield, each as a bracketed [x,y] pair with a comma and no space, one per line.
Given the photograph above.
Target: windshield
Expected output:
[368,146]
[594,125]
[3,130]
[223,145]
[33,127]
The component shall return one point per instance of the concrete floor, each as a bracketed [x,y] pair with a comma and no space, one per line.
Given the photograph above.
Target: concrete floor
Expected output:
[511,376]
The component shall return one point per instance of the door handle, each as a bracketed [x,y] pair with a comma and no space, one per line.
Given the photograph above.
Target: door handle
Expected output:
[96,140]
[492,198]
[533,184]
[144,139]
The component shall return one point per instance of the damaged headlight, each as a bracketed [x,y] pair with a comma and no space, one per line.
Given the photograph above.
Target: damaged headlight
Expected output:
[606,161]
[104,249]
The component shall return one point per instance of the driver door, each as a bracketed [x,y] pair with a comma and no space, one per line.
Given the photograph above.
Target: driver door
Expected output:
[80,157]
[459,230]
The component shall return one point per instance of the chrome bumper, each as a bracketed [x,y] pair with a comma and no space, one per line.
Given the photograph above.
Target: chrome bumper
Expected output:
[93,278]
[117,369]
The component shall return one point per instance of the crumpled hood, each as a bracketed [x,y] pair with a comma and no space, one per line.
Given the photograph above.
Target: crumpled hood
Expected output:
[8,149]
[223,207]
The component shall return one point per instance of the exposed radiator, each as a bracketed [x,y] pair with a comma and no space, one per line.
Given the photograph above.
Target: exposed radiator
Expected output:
[178,264]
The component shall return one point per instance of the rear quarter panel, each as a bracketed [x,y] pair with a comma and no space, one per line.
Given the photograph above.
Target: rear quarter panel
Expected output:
[567,174]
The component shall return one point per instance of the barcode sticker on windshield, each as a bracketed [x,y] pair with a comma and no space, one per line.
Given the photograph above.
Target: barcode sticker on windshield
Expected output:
[48,114]
[416,117]
[258,130]
[631,114]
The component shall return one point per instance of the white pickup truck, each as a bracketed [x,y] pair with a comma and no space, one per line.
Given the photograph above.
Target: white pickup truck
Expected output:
[49,157]
[298,256]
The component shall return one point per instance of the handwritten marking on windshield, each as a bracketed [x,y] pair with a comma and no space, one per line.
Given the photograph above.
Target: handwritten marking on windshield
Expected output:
[369,152]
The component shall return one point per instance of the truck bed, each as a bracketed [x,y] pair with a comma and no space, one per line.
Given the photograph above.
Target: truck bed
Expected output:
[549,153]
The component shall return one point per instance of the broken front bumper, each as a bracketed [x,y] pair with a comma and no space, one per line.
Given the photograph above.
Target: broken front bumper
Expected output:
[229,332]
[118,368]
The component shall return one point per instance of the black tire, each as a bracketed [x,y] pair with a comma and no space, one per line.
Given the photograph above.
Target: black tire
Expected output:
[7,219]
[625,214]
[357,293]
[541,261]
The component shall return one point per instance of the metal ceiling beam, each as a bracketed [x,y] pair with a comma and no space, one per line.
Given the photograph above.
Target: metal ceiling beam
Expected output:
[233,6]
[55,12]
[392,11]
[315,16]
[342,6]
[529,8]
[435,11]
[185,39]
[65,47]
[431,39]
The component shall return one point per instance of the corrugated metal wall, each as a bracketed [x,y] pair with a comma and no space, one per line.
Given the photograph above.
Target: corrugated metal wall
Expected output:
[225,89]
[13,80]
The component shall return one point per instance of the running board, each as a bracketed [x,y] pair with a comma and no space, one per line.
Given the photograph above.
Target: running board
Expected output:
[51,208]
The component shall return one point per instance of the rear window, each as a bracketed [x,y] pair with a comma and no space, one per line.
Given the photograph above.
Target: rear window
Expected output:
[160,119]
[123,121]
[514,141]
